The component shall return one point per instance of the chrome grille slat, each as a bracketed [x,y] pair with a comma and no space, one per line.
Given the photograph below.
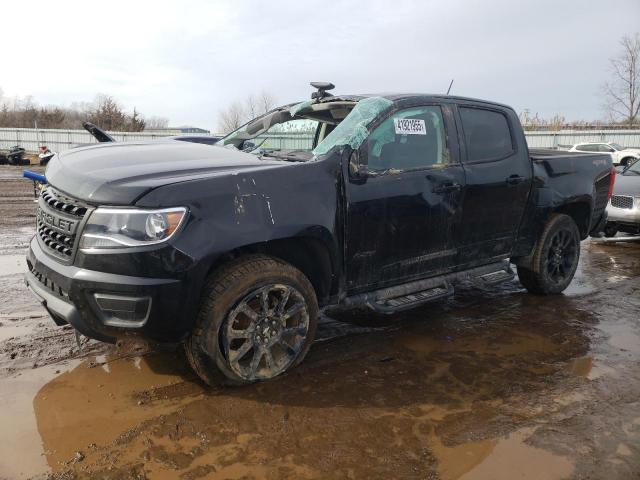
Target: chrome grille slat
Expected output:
[63,203]
[622,201]
[59,211]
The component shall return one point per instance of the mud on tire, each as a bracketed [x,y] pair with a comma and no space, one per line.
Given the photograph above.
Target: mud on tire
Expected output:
[555,257]
[257,299]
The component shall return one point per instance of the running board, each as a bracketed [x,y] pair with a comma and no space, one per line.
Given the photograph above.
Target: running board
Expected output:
[494,278]
[409,295]
[406,302]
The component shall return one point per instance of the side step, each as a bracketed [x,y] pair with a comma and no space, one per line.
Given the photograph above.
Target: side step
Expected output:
[406,302]
[409,295]
[494,278]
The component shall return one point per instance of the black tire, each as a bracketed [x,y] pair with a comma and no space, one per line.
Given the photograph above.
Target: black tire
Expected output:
[628,161]
[610,230]
[229,296]
[555,257]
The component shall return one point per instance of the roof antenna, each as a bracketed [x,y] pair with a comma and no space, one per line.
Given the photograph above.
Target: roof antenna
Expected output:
[322,89]
[450,85]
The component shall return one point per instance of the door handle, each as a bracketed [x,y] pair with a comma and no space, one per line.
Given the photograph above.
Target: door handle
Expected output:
[514,179]
[446,187]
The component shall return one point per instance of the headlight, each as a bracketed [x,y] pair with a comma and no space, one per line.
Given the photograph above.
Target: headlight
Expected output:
[130,227]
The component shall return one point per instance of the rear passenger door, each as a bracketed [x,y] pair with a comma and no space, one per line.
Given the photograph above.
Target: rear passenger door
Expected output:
[498,176]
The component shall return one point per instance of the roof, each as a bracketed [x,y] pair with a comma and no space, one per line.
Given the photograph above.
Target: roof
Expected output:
[403,96]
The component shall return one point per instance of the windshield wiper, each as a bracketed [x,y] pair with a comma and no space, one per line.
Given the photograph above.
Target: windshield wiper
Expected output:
[284,156]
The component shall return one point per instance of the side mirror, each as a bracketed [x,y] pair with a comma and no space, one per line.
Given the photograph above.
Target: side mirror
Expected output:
[248,146]
[357,170]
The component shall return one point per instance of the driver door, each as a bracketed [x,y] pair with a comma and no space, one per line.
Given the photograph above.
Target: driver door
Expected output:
[402,211]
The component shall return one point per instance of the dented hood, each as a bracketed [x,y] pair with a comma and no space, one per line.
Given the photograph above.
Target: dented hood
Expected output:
[120,173]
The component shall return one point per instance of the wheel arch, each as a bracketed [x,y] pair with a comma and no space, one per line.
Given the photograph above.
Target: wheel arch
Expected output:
[580,212]
[308,253]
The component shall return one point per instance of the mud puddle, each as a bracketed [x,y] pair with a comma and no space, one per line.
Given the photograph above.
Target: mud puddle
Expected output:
[12,264]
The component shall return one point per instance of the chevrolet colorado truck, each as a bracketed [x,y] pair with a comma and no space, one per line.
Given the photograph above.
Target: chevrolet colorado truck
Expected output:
[385,202]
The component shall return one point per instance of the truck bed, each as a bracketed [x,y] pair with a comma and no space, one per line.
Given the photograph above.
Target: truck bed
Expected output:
[574,174]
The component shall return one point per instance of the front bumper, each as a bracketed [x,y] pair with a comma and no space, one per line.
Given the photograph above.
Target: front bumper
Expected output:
[77,295]
[630,216]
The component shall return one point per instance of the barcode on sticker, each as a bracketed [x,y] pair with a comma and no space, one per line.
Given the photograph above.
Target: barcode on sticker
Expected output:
[410,126]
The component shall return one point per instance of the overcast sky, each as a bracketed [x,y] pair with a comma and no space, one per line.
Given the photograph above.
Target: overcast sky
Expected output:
[188,60]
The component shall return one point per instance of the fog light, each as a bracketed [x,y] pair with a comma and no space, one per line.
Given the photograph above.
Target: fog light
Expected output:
[123,311]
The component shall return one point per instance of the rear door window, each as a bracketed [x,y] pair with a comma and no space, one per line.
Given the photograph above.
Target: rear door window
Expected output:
[487,134]
[605,148]
[587,148]
[409,139]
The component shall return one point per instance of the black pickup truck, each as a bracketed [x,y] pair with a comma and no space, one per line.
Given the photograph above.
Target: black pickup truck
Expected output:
[385,202]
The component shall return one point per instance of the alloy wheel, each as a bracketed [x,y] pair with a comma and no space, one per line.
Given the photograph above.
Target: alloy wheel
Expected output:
[264,334]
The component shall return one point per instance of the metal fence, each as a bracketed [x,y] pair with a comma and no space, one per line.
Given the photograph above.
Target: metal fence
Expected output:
[60,140]
[560,138]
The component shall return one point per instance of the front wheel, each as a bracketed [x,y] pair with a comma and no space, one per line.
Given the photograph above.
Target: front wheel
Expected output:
[257,320]
[555,257]
[628,161]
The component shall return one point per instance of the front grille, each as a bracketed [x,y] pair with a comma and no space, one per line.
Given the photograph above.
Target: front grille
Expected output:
[58,222]
[622,201]
[56,241]
[62,203]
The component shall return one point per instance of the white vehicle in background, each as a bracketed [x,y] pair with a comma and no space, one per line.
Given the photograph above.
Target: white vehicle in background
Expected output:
[620,155]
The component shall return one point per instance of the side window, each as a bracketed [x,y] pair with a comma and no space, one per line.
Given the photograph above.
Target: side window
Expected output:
[408,139]
[486,133]
[292,135]
[605,148]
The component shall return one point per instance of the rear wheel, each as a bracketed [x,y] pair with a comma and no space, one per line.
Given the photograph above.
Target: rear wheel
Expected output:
[555,258]
[257,320]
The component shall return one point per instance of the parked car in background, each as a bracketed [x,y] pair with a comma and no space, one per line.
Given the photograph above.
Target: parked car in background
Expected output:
[15,156]
[619,155]
[624,206]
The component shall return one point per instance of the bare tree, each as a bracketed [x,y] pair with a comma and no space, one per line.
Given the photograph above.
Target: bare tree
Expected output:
[537,122]
[24,112]
[252,107]
[108,114]
[231,118]
[156,123]
[238,113]
[622,93]
[267,102]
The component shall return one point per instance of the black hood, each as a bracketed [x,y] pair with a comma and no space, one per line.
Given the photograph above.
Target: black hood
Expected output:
[119,173]
[627,184]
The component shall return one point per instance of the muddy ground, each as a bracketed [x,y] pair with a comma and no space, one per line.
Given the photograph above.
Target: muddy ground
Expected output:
[488,385]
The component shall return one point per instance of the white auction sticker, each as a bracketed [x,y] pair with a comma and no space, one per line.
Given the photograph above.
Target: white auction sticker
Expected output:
[410,126]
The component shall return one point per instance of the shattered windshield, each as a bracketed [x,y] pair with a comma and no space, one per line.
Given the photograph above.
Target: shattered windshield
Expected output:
[301,131]
[353,130]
